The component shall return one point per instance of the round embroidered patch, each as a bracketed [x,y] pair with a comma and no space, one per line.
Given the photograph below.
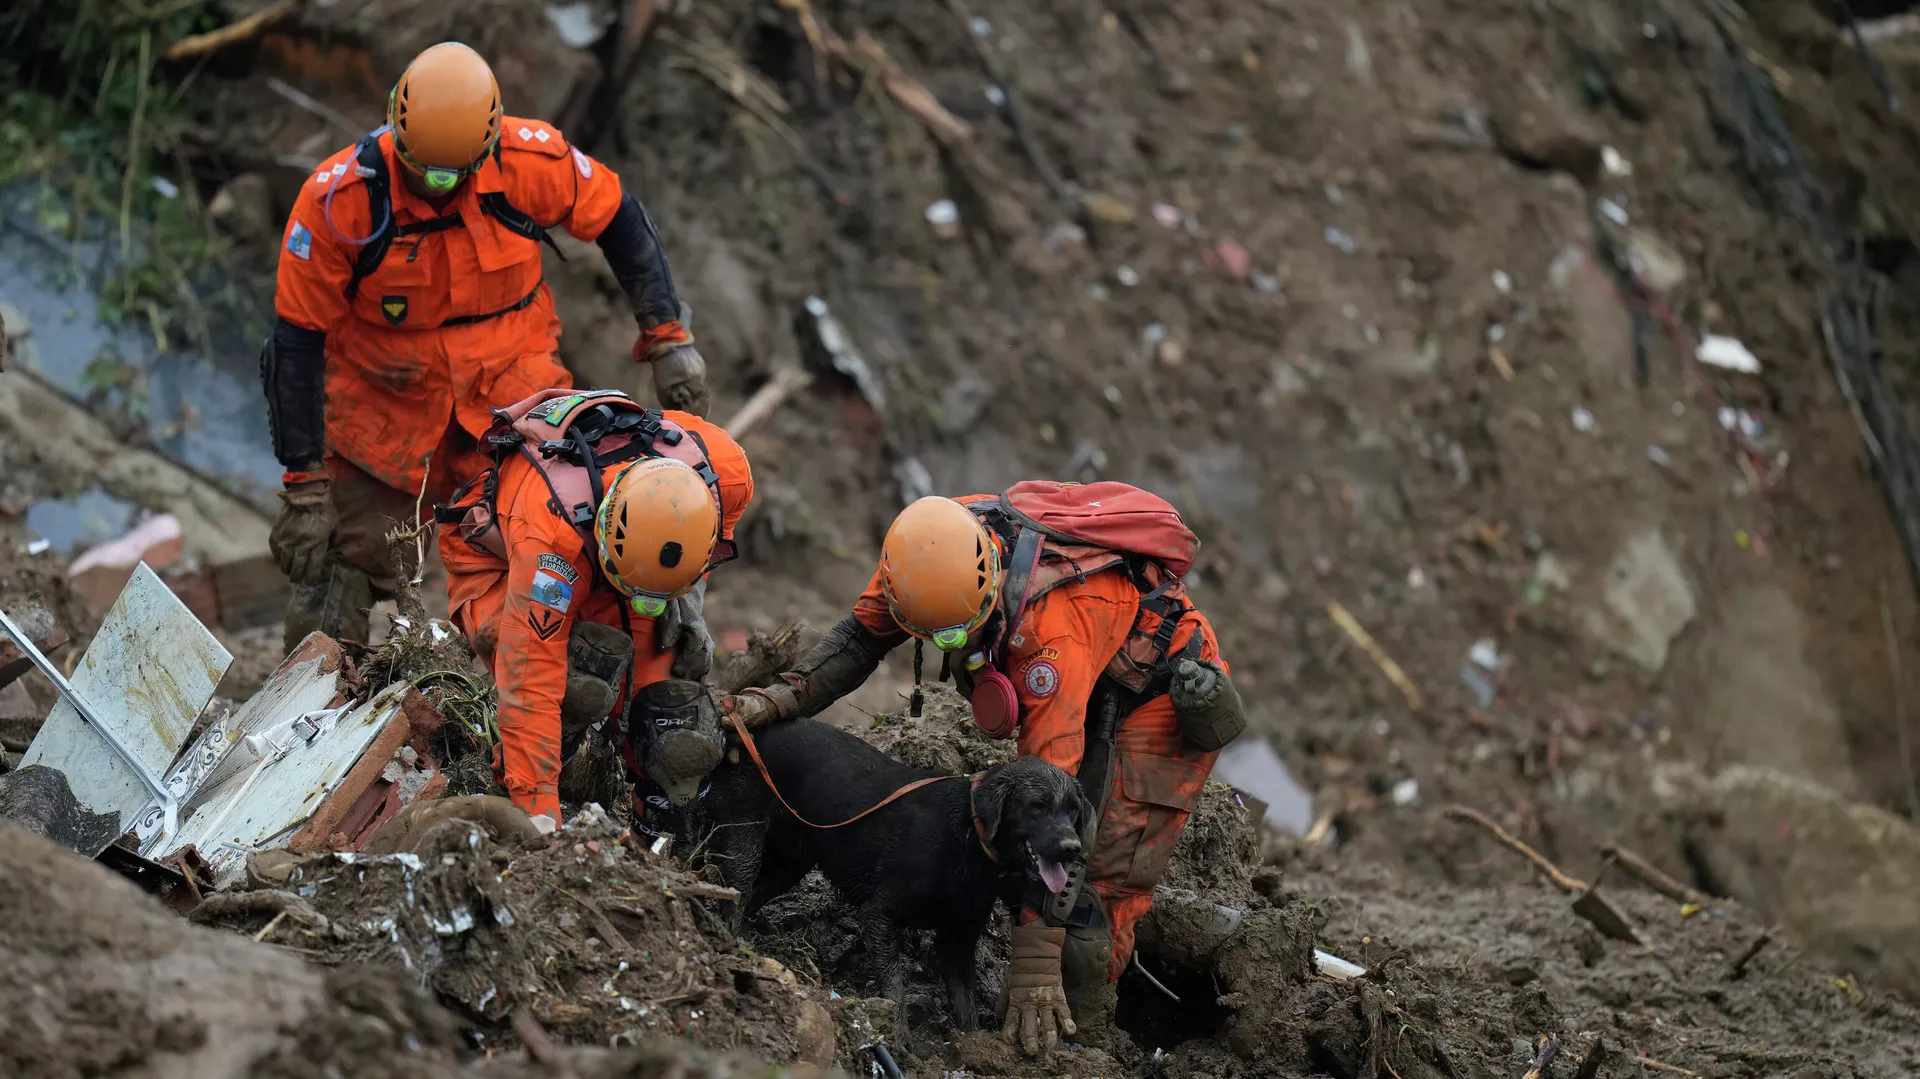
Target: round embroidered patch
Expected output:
[1042,679]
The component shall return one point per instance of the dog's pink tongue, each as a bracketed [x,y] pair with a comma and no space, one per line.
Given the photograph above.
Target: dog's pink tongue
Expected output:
[1053,875]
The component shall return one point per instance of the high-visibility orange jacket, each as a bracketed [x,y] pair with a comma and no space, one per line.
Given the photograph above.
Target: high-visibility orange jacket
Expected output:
[1064,641]
[453,321]
[521,628]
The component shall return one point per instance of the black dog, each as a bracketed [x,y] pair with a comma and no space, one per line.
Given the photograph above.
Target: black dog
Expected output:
[935,859]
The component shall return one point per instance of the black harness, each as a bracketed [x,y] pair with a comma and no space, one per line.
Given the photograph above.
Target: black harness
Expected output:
[379,181]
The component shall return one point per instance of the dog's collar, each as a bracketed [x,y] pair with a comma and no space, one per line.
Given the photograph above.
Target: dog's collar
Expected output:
[980,830]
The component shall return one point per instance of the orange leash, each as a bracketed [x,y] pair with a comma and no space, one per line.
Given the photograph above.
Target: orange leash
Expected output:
[746,739]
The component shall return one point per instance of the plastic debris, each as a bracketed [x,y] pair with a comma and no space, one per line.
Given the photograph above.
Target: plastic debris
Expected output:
[1167,214]
[1340,239]
[1127,276]
[39,547]
[1502,281]
[1658,455]
[1613,212]
[1485,653]
[1329,965]
[1727,353]
[578,25]
[944,216]
[1267,283]
[1406,792]
[1615,164]
[167,188]
[996,97]
[1231,257]
[979,27]
[1582,419]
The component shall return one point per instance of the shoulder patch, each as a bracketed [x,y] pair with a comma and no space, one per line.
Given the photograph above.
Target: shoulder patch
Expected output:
[551,590]
[1038,674]
[1042,679]
[559,567]
[583,163]
[300,242]
[522,134]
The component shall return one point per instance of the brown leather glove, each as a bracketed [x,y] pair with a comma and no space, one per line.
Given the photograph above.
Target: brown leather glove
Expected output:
[754,709]
[300,534]
[1037,1012]
[680,379]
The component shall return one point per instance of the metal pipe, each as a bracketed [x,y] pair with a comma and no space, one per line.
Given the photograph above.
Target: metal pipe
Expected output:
[168,806]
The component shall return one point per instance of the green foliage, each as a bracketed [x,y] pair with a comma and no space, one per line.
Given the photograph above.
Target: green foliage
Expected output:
[91,113]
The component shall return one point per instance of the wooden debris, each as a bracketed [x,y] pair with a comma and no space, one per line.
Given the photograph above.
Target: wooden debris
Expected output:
[1016,113]
[1646,1061]
[1596,1056]
[539,1046]
[232,33]
[1540,861]
[1549,1048]
[767,399]
[318,108]
[1651,875]
[700,890]
[755,95]
[1371,647]
[1739,969]
[282,903]
[865,57]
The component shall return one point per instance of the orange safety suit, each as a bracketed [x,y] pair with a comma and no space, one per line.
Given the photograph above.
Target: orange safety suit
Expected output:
[1063,642]
[522,632]
[453,321]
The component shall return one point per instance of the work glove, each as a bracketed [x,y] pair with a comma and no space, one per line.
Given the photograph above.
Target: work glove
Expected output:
[683,631]
[1037,1012]
[1206,705]
[1196,684]
[300,534]
[680,379]
[755,710]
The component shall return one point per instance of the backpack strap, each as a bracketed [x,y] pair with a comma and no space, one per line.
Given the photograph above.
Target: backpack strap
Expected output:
[379,182]
[517,221]
[373,167]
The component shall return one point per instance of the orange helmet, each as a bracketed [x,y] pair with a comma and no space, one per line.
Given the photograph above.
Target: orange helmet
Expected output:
[445,113]
[939,571]
[656,531]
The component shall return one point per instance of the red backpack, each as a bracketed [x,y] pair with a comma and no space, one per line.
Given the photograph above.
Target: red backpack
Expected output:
[1056,532]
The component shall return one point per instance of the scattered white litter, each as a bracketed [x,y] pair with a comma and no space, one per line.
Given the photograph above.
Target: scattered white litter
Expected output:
[996,97]
[1727,352]
[1502,281]
[167,188]
[1127,276]
[1485,653]
[1582,419]
[1658,455]
[1332,966]
[1406,792]
[39,547]
[1614,163]
[1614,211]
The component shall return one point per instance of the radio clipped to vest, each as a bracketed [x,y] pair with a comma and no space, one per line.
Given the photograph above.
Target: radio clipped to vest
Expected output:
[570,438]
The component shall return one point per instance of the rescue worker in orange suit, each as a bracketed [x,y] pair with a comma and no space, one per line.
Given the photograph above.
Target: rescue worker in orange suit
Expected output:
[579,577]
[941,579]
[410,300]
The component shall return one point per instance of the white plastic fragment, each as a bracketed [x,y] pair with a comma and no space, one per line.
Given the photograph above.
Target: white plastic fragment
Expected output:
[39,547]
[1485,653]
[1332,966]
[1582,419]
[1406,792]
[1615,164]
[1614,211]
[1727,352]
[1502,281]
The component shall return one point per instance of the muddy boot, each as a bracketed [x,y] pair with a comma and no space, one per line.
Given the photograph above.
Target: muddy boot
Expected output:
[337,607]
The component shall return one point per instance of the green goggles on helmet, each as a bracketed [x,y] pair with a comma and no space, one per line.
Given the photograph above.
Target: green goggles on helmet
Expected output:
[947,638]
